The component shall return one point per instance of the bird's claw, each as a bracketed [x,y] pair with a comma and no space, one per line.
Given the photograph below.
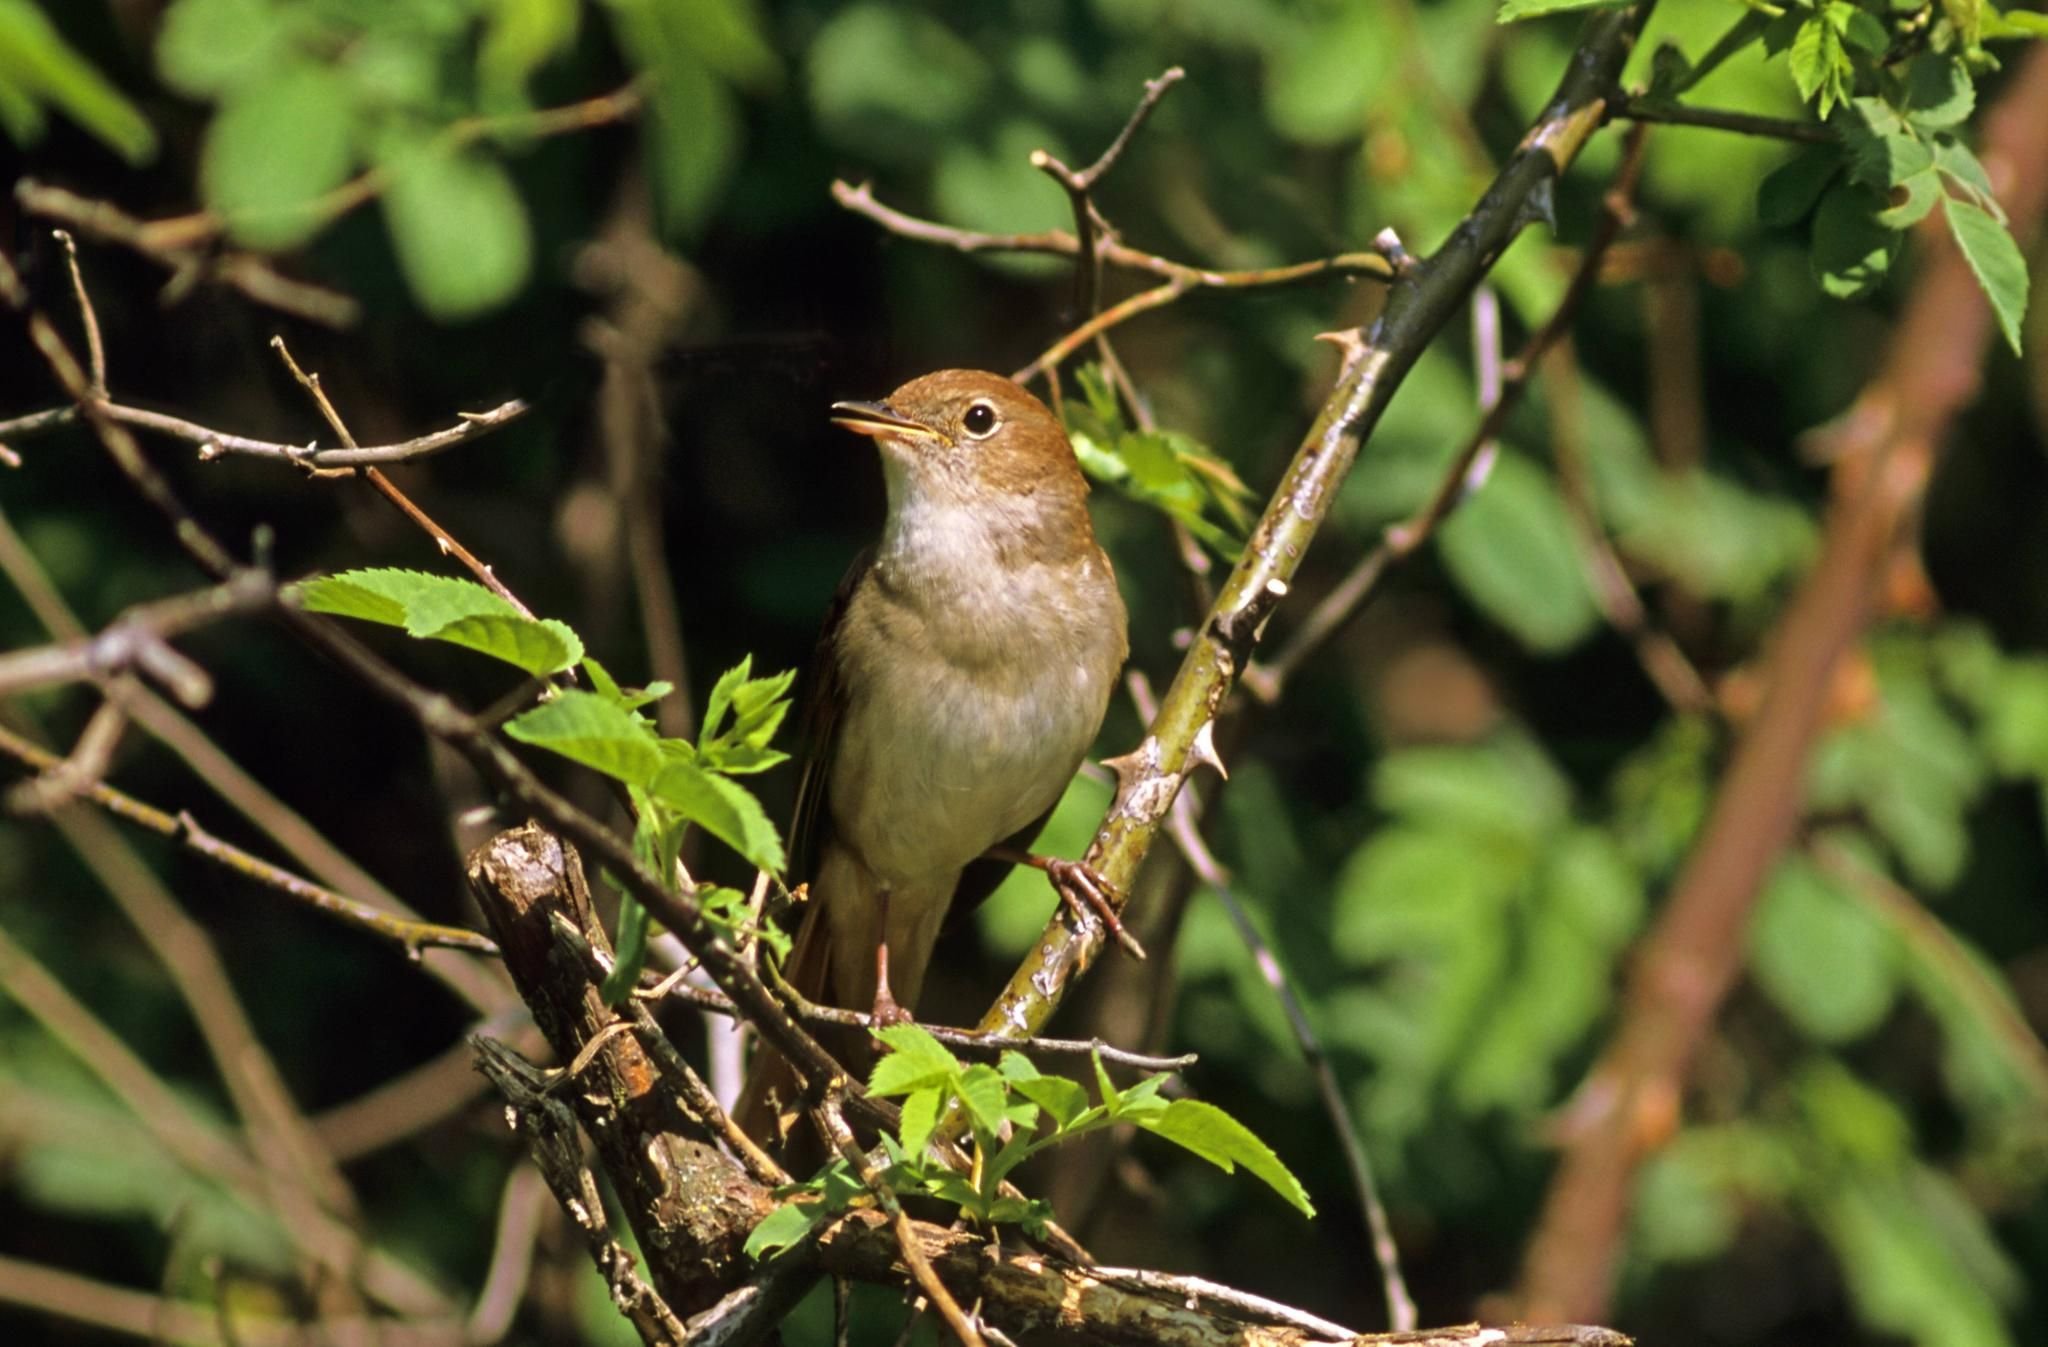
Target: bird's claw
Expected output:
[1087,893]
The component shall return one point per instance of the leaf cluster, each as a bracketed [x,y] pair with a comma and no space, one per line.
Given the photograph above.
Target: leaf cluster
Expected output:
[1012,1112]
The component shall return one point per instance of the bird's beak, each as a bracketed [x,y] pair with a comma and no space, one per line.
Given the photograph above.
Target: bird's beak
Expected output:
[878,419]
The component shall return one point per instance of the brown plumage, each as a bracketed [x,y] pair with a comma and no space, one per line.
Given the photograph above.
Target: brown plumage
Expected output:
[964,669]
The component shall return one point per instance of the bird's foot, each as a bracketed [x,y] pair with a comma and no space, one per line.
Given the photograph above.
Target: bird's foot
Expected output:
[1087,894]
[886,1011]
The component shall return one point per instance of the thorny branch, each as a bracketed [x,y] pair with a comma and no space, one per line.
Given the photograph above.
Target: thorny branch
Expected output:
[1266,679]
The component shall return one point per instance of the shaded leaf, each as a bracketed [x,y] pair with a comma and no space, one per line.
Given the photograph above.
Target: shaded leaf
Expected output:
[1996,262]
[458,225]
[1852,252]
[1793,188]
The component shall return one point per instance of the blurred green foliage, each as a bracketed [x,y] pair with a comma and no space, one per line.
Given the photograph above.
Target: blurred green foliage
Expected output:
[1462,814]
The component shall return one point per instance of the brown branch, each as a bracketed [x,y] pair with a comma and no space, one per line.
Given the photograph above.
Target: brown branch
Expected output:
[1059,243]
[1638,108]
[139,639]
[1468,467]
[1885,450]
[250,273]
[217,443]
[414,936]
[161,1319]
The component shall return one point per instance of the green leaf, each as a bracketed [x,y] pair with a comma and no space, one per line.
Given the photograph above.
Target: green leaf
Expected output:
[444,608]
[458,225]
[37,66]
[1883,150]
[207,47]
[1062,1098]
[631,954]
[1860,29]
[915,1061]
[693,124]
[2018,23]
[1225,1142]
[1511,549]
[277,146]
[1820,65]
[1822,957]
[1792,189]
[1996,262]
[1911,201]
[722,808]
[584,727]
[855,70]
[920,1118]
[1939,93]
[982,1090]
[1512,11]
[1852,252]
[783,1227]
[519,37]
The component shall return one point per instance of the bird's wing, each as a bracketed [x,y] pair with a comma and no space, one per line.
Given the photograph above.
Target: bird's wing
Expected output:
[824,702]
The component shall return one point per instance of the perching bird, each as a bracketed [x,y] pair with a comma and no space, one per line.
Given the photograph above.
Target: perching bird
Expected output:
[963,671]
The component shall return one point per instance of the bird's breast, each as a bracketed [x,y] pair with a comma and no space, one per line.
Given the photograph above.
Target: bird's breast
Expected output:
[969,707]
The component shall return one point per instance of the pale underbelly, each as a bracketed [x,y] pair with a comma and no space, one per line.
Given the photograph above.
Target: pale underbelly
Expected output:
[929,777]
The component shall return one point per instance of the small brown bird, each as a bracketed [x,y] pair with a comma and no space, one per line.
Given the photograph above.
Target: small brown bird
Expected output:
[963,671]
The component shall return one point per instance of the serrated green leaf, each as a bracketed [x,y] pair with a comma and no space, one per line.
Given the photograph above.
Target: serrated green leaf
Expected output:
[1820,65]
[1793,188]
[1058,1096]
[277,145]
[1852,252]
[1911,201]
[1226,1143]
[723,808]
[920,1117]
[1996,262]
[982,1090]
[1883,150]
[915,1061]
[1962,168]
[458,226]
[444,608]
[584,727]
[783,1228]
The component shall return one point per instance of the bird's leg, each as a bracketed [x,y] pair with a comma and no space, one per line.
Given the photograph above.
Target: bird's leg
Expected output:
[1081,888]
[885,1011]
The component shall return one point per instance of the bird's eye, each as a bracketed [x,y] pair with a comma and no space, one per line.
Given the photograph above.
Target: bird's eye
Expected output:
[980,420]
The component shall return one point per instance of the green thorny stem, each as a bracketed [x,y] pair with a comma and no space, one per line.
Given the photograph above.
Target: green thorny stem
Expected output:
[1421,300]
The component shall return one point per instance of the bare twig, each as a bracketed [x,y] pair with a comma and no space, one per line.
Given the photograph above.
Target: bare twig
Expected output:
[831,1124]
[522,1210]
[139,639]
[1059,243]
[443,539]
[95,350]
[413,935]
[1640,109]
[217,443]
[1334,611]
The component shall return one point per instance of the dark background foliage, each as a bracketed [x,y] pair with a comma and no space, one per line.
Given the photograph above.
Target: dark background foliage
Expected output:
[1462,812]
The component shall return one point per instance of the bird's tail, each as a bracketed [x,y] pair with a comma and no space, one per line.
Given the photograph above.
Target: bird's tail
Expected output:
[770,1107]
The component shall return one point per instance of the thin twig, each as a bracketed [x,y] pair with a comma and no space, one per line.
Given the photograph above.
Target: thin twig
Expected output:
[1641,109]
[831,1124]
[1059,243]
[522,1209]
[95,350]
[138,639]
[967,1040]
[414,936]
[1266,679]
[218,443]
[443,539]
